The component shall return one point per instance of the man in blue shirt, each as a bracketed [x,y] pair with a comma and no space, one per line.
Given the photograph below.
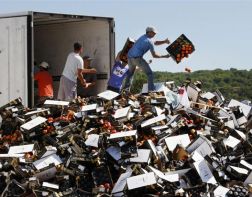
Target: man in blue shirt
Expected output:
[135,57]
[118,73]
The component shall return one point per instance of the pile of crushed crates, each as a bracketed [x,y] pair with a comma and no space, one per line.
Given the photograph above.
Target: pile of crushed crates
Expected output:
[177,141]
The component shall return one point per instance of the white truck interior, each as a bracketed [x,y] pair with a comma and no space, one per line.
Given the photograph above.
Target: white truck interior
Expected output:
[53,41]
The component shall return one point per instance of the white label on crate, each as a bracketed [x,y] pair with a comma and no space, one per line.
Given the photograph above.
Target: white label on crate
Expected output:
[204,172]
[208,95]
[231,141]
[108,95]
[121,182]
[14,109]
[246,164]
[141,180]
[135,104]
[197,156]
[33,123]
[21,149]
[50,185]
[53,102]
[159,111]
[242,120]
[122,134]
[239,170]
[173,141]
[153,120]
[169,177]
[221,191]
[159,127]
[230,124]
[152,147]
[36,111]
[46,161]
[49,151]
[204,149]
[121,113]
[93,140]
[11,155]
[89,107]
[245,108]
[143,156]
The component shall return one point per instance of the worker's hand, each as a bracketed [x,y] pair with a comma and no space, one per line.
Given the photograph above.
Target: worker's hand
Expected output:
[84,84]
[166,56]
[88,85]
[92,70]
[167,41]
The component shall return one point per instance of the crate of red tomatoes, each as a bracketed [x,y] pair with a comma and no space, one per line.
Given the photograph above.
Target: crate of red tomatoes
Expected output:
[181,48]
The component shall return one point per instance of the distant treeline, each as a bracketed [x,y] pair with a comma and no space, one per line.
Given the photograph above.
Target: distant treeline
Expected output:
[233,83]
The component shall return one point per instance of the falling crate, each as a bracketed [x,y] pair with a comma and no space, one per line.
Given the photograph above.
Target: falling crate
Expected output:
[182,47]
[127,46]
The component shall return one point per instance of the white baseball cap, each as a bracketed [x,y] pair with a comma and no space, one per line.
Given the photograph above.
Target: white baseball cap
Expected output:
[44,65]
[151,29]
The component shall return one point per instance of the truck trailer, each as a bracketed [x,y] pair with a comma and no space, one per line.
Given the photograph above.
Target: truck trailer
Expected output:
[30,37]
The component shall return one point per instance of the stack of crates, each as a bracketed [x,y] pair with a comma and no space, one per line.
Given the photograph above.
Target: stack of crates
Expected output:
[182,47]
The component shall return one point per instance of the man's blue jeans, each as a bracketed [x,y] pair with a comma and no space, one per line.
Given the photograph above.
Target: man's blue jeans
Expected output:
[144,66]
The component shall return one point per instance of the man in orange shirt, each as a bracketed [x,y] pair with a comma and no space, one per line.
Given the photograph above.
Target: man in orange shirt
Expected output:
[45,82]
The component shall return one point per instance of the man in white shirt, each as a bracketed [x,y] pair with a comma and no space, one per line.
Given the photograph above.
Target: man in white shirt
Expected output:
[73,69]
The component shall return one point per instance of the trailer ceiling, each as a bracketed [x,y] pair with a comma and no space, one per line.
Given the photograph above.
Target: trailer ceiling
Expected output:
[51,18]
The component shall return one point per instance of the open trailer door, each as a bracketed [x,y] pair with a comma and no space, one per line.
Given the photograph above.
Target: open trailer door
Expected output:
[13,59]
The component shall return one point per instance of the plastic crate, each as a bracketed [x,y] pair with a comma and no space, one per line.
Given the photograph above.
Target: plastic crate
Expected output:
[182,47]
[124,53]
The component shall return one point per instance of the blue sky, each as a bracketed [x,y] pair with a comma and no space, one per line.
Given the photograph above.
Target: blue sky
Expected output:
[220,30]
